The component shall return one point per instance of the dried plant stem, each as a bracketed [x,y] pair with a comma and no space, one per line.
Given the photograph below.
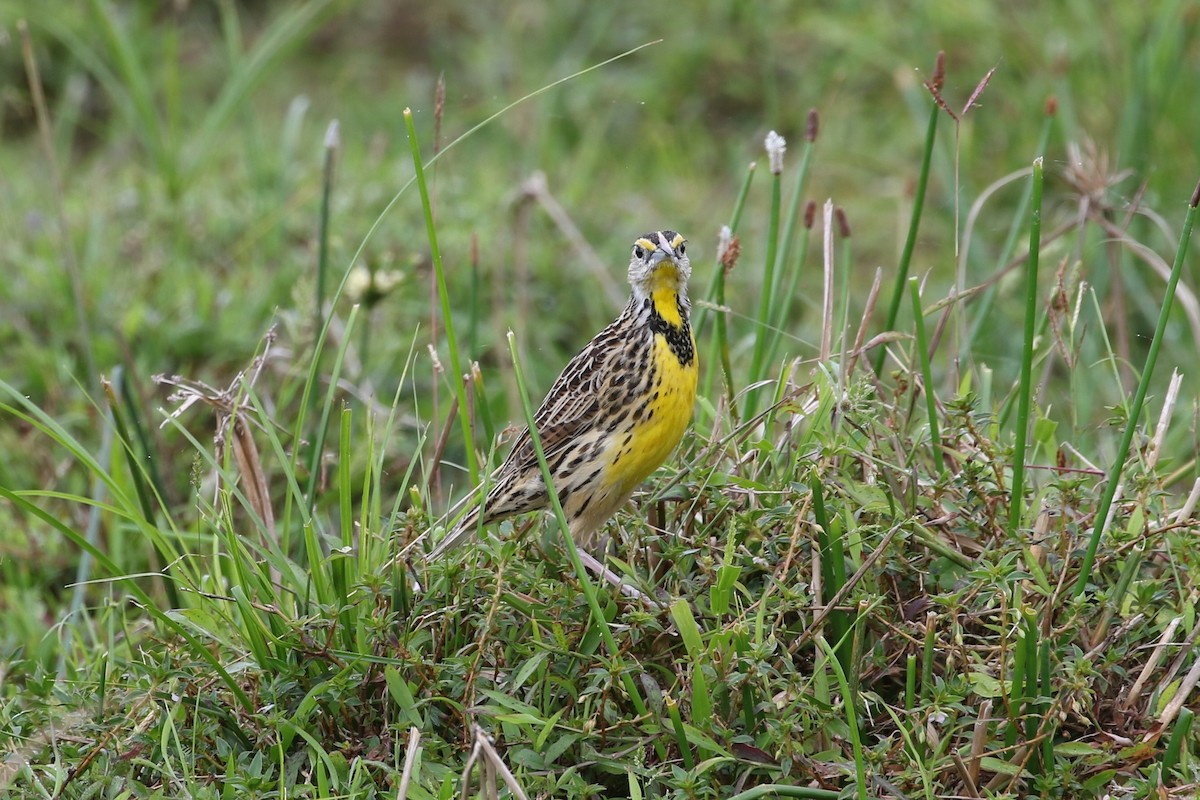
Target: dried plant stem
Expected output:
[827,285]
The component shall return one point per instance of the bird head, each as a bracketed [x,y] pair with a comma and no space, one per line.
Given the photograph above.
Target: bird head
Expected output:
[659,262]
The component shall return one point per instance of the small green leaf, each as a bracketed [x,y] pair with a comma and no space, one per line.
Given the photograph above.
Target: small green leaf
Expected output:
[403,697]
[559,746]
[1076,749]
[991,764]
[520,719]
[527,669]
[985,685]
[540,741]
[689,631]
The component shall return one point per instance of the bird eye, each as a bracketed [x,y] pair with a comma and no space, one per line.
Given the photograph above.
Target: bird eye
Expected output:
[682,248]
[639,251]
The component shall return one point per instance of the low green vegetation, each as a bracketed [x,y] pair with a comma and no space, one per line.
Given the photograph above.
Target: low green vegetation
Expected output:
[933,531]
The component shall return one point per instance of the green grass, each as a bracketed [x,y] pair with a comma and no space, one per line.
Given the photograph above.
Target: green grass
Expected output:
[945,560]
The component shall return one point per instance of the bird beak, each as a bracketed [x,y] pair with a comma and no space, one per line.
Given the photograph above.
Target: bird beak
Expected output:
[664,253]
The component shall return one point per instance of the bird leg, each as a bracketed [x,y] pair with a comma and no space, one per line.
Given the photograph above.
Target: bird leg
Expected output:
[616,580]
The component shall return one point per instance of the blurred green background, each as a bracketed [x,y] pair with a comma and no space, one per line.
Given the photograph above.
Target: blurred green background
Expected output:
[190,238]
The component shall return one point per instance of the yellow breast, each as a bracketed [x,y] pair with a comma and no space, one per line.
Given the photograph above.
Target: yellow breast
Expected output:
[668,410]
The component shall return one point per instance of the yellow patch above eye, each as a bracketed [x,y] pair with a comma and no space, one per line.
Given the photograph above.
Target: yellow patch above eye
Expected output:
[678,240]
[646,243]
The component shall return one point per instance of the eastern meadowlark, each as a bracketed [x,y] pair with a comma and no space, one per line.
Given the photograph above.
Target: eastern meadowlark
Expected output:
[617,410]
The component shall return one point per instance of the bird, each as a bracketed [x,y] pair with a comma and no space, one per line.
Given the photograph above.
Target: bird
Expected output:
[616,412]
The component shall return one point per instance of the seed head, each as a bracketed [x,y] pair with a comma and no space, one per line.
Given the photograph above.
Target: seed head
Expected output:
[776,147]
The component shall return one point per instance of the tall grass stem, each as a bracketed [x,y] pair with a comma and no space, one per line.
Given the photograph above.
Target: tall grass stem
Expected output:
[330,145]
[850,704]
[1025,383]
[1139,399]
[981,314]
[762,334]
[922,346]
[457,379]
[914,225]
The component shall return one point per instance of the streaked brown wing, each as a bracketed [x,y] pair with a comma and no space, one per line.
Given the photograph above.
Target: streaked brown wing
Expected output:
[573,403]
